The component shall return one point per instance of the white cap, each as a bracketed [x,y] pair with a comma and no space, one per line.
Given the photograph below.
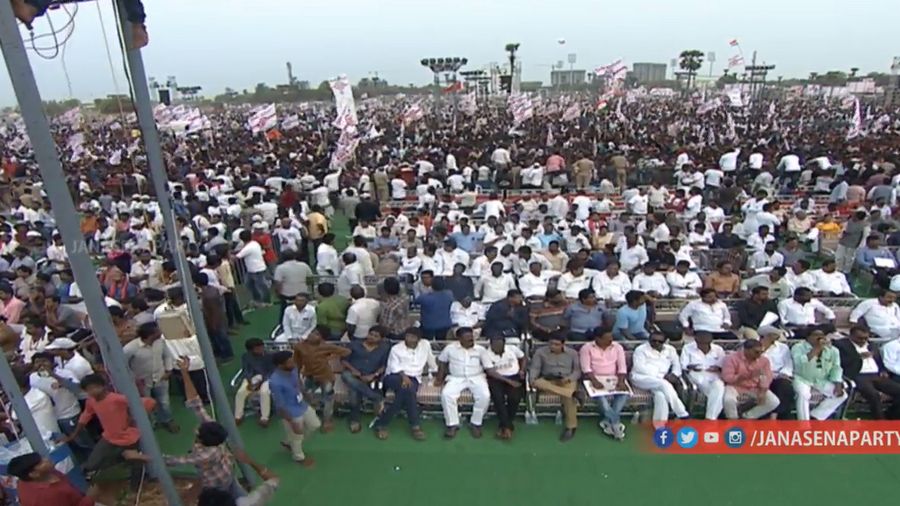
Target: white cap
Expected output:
[62,343]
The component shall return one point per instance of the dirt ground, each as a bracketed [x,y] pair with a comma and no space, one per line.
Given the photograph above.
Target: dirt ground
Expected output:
[116,493]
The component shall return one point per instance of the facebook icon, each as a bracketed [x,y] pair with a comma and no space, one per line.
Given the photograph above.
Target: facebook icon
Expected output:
[663,437]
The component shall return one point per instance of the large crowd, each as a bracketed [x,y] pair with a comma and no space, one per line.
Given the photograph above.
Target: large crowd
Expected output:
[649,251]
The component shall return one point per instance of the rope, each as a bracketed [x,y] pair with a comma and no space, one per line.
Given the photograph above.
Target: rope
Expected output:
[54,33]
[112,69]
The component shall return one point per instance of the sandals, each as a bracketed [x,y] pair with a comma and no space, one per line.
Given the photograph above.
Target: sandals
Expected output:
[418,434]
[381,434]
[355,427]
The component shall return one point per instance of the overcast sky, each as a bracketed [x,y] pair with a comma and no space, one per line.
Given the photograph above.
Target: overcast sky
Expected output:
[237,43]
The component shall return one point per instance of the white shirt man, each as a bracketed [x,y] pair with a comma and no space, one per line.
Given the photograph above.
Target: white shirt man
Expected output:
[792,312]
[704,371]
[764,262]
[41,407]
[463,316]
[805,280]
[756,161]
[289,238]
[612,288]
[327,262]
[533,285]
[655,282]
[65,402]
[570,284]
[714,177]
[252,254]
[583,207]
[757,242]
[831,282]
[506,364]
[448,259]
[411,361]
[639,204]
[890,356]
[296,324]
[501,156]
[728,161]
[702,317]
[631,258]
[649,370]
[398,188]
[466,372]
[151,269]
[351,275]
[493,288]
[363,315]
[790,163]
[684,286]
[883,319]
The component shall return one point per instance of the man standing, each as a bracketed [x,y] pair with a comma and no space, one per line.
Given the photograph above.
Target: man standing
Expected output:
[364,366]
[862,363]
[505,368]
[255,263]
[362,314]
[151,363]
[817,366]
[747,371]
[460,365]
[555,368]
[703,360]
[291,277]
[407,362]
[40,484]
[313,357]
[603,365]
[298,417]
[656,368]
[850,241]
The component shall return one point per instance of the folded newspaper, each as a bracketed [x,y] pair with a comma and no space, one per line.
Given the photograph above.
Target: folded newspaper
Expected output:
[609,387]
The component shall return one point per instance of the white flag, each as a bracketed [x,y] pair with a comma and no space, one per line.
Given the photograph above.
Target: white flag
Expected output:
[734,97]
[521,108]
[856,123]
[116,157]
[344,103]
[263,119]
[615,71]
[468,104]
[413,113]
[572,113]
[550,140]
[290,122]
[709,105]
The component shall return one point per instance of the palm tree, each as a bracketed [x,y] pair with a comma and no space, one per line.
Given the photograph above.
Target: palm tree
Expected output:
[813,76]
[853,72]
[690,61]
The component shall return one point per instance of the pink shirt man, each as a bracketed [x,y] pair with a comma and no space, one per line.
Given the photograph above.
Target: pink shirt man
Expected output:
[746,376]
[603,362]
[12,310]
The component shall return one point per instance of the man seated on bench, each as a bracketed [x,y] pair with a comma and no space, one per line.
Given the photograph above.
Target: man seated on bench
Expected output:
[708,314]
[861,361]
[407,362]
[703,361]
[256,367]
[747,371]
[459,369]
[656,368]
[798,314]
[881,315]
[817,367]
[556,369]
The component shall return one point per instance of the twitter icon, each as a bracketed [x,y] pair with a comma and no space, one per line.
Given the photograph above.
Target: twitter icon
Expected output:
[687,437]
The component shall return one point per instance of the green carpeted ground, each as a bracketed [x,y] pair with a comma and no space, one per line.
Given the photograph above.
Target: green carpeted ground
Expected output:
[535,469]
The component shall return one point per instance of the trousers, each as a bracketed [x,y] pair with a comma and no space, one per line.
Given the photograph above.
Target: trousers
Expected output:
[783,388]
[358,391]
[825,409]
[664,396]
[258,286]
[327,396]
[610,407]
[404,398]
[566,393]
[714,389]
[454,386]
[506,399]
[309,422]
[159,392]
[871,386]
[106,454]
[770,402]
[244,392]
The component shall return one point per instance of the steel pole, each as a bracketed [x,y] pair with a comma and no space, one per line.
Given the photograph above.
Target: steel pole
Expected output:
[67,221]
[21,409]
[138,78]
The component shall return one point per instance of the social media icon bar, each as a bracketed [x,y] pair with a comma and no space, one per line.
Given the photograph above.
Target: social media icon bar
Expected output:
[687,437]
[711,437]
[663,437]
[734,437]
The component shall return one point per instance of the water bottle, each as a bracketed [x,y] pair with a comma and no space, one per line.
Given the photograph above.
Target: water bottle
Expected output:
[559,418]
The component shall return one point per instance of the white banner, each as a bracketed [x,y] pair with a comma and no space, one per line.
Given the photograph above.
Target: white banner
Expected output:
[344,103]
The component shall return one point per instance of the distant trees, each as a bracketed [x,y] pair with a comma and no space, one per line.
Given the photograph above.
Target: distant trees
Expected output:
[690,61]
[55,107]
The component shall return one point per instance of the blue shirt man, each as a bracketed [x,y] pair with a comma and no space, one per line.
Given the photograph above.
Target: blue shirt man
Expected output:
[285,388]
[435,307]
[631,321]
[467,240]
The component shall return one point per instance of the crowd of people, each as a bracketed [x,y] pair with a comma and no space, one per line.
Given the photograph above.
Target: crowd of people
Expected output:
[479,259]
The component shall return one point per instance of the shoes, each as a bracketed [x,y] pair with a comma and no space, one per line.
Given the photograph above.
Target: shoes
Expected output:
[619,430]
[450,433]
[567,435]
[607,428]
[475,430]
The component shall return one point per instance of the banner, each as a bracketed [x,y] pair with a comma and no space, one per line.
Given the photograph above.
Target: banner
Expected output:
[855,123]
[735,98]
[344,103]
[775,437]
[521,108]
[709,105]
[261,119]
[572,112]
[413,113]
[468,104]
[290,122]
[615,71]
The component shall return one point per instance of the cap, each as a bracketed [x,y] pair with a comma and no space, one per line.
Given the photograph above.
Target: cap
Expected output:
[62,343]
